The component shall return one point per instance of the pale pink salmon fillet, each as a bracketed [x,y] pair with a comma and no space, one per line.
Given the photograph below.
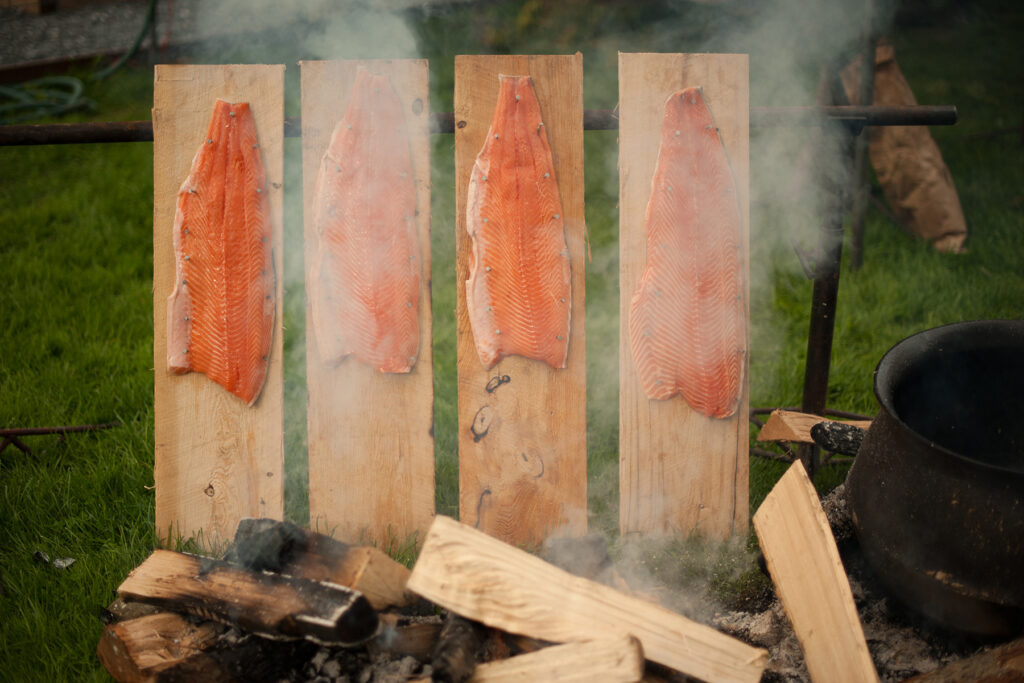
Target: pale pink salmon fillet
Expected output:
[366,269]
[517,294]
[687,318]
[220,315]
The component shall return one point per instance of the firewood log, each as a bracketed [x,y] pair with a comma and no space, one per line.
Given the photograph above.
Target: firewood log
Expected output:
[168,648]
[264,603]
[479,577]
[284,548]
[804,564]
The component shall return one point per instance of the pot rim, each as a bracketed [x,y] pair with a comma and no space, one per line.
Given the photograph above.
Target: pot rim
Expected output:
[925,340]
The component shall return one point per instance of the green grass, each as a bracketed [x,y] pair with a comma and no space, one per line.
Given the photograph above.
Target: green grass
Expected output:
[76,298]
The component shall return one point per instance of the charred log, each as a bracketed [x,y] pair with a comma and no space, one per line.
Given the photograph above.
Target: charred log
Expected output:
[266,604]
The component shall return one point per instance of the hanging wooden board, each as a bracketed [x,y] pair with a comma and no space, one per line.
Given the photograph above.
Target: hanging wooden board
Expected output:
[371,445]
[679,471]
[217,460]
[522,424]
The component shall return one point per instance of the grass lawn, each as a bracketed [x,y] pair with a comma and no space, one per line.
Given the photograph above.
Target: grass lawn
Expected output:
[76,278]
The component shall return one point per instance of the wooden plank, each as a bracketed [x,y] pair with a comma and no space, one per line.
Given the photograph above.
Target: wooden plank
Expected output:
[810,581]
[216,460]
[479,577]
[679,471]
[268,604]
[522,424]
[610,660]
[789,425]
[371,445]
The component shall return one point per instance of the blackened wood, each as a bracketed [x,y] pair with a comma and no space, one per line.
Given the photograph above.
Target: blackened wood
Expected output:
[458,649]
[284,548]
[251,660]
[407,636]
[264,603]
[837,437]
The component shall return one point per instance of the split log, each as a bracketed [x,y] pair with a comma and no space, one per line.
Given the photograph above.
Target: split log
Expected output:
[284,548]
[1001,664]
[168,648]
[140,649]
[264,603]
[617,660]
[479,577]
[810,581]
[790,425]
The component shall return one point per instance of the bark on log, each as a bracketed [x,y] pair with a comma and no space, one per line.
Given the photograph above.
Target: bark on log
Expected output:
[479,577]
[617,660]
[284,548]
[263,603]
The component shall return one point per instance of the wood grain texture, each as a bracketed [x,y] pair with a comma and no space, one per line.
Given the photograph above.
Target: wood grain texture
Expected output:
[679,471]
[810,580]
[609,660]
[216,460]
[146,648]
[371,445]
[481,578]
[522,424]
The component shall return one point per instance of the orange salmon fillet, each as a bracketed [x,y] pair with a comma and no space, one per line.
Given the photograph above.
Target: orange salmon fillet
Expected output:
[517,294]
[366,269]
[687,322]
[220,315]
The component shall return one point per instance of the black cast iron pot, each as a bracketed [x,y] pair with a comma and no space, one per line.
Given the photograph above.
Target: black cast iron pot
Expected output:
[936,491]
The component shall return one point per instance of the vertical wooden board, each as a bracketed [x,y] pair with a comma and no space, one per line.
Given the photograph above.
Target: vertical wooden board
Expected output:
[522,424]
[371,445]
[216,459]
[810,580]
[679,471]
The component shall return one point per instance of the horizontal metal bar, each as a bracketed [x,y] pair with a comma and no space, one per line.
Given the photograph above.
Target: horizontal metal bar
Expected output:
[917,115]
[37,431]
[444,122]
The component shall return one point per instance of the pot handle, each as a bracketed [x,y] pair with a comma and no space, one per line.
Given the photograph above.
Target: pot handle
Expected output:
[838,437]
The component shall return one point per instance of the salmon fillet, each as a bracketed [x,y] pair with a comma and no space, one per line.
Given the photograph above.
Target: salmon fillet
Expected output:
[517,294]
[366,269]
[687,318]
[220,315]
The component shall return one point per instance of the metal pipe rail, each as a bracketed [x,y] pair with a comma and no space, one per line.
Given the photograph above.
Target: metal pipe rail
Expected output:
[444,122]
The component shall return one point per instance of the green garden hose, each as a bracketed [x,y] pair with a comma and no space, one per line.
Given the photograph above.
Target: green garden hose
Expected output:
[57,95]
